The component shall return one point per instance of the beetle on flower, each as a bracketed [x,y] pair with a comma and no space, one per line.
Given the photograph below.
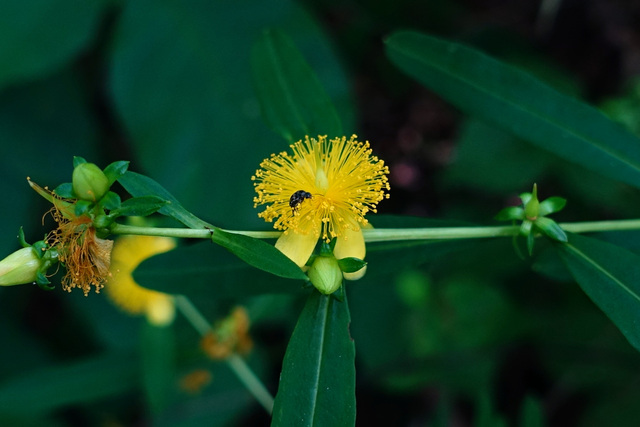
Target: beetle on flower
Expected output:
[344,182]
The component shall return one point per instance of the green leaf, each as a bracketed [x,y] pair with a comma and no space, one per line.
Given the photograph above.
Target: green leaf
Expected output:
[551,229]
[551,205]
[181,83]
[40,36]
[141,206]
[510,213]
[351,264]
[258,254]
[208,271]
[610,276]
[157,364]
[77,160]
[62,385]
[139,185]
[317,384]
[111,201]
[65,190]
[293,101]
[115,170]
[519,103]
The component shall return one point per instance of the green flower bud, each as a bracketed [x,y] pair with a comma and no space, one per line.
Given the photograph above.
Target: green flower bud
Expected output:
[89,182]
[325,274]
[532,206]
[20,267]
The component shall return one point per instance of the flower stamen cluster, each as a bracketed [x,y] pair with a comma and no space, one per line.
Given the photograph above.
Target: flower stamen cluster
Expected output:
[345,182]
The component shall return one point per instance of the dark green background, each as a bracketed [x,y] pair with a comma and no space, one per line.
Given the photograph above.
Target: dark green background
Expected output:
[464,333]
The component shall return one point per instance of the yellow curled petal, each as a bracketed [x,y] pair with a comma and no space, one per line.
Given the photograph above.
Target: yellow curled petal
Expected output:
[297,247]
[351,244]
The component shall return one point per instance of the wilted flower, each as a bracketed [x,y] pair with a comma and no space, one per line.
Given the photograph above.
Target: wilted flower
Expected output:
[85,256]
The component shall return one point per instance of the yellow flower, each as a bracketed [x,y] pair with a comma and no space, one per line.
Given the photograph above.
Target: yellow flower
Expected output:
[128,253]
[323,189]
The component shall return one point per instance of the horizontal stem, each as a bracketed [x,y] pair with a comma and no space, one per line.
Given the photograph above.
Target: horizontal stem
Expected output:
[391,234]
[186,233]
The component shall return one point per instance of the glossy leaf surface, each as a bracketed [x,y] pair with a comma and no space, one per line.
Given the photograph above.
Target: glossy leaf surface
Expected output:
[293,101]
[610,276]
[516,101]
[317,384]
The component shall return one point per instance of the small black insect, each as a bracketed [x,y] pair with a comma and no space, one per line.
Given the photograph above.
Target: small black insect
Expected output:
[297,198]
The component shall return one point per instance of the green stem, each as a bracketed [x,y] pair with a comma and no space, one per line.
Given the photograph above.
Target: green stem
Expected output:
[391,234]
[235,362]
[186,233]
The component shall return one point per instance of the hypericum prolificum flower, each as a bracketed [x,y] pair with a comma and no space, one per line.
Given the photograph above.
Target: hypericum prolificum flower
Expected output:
[128,253]
[323,190]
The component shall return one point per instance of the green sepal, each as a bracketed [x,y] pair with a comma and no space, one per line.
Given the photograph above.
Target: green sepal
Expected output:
[551,205]
[21,238]
[525,197]
[510,213]
[530,242]
[65,190]
[110,201]
[551,229]
[326,249]
[351,264]
[82,207]
[526,227]
[339,294]
[115,170]
[43,282]
[40,247]
[141,206]
[77,160]
[104,221]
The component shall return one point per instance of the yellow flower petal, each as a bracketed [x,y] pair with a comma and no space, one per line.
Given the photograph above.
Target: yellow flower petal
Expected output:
[351,245]
[128,253]
[297,247]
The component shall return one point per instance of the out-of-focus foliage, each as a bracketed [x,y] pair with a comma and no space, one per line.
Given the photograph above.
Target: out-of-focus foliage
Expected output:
[438,327]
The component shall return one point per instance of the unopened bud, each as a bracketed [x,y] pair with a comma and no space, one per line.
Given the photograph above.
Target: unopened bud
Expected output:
[325,274]
[89,182]
[20,267]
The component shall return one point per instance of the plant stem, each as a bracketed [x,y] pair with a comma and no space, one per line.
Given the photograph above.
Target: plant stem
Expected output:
[187,233]
[235,362]
[391,234]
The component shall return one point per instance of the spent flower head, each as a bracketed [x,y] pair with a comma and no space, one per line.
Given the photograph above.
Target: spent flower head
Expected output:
[323,189]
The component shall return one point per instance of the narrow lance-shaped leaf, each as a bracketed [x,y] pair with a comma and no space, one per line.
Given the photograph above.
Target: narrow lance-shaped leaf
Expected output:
[157,364]
[258,254]
[253,251]
[610,275]
[317,384]
[140,185]
[293,101]
[517,102]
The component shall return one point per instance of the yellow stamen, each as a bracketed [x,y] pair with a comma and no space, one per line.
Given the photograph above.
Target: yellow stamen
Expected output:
[345,181]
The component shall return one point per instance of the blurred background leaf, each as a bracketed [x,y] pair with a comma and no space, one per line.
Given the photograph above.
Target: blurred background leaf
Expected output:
[168,86]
